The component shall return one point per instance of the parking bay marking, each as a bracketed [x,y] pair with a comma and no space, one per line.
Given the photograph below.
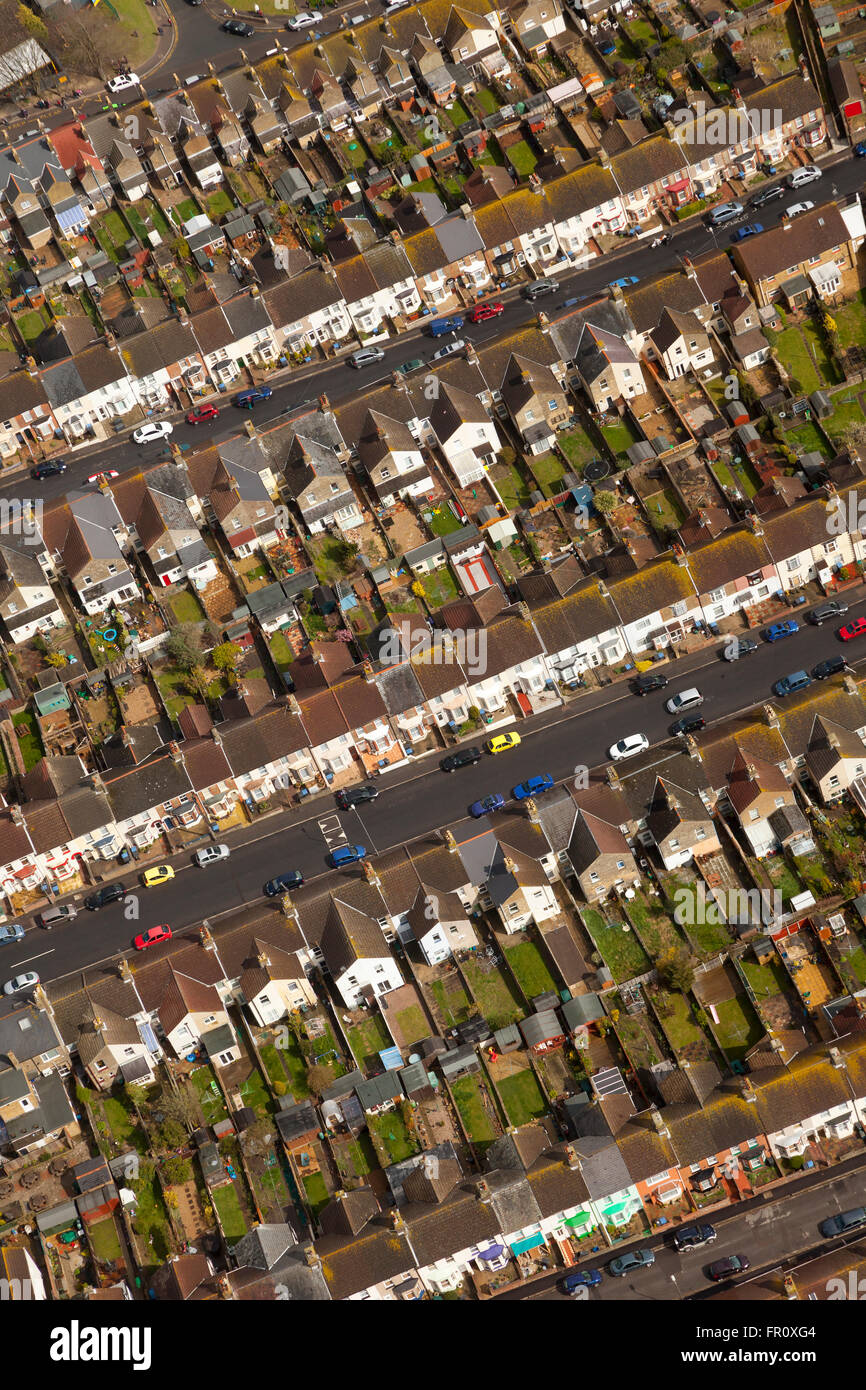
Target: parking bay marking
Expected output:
[333,831]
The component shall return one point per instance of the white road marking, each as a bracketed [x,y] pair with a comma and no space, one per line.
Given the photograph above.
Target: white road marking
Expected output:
[49,952]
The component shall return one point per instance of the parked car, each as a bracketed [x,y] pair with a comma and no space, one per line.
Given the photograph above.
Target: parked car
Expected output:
[456,345]
[154,429]
[767,195]
[439,327]
[124,83]
[50,469]
[808,174]
[283,883]
[689,724]
[108,893]
[411,366]
[777,631]
[693,1237]
[750,229]
[57,916]
[304,19]
[832,666]
[365,357]
[211,854]
[725,212]
[356,796]
[790,685]
[482,312]
[494,802]
[29,980]
[796,210]
[860,149]
[739,646]
[464,757]
[580,1279]
[686,699]
[729,1266]
[856,628]
[628,747]
[238,28]
[623,282]
[160,873]
[202,413]
[538,289]
[254,396]
[845,1222]
[152,936]
[532,786]
[825,611]
[347,854]
[105,476]
[500,743]
[632,1261]
[649,681]
[11,931]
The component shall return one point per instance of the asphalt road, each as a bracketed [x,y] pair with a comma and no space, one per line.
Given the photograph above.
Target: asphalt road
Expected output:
[420,798]
[201,40]
[769,1233]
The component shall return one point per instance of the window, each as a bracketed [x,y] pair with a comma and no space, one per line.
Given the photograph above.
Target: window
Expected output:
[700,833]
[674,844]
[593,878]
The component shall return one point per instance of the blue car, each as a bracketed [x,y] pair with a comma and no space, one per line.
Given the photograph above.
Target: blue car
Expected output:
[780,630]
[623,282]
[283,883]
[347,854]
[532,786]
[751,229]
[580,1279]
[489,803]
[860,149]
[10,933]
[789,685]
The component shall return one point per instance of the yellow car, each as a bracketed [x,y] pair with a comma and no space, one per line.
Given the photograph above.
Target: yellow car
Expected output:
[501,742]
[161,873]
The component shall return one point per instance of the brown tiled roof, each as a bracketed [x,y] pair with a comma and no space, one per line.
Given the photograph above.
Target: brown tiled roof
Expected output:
[792,242]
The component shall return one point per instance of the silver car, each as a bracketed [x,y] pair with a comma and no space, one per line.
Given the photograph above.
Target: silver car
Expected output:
[211,854]
[365,357]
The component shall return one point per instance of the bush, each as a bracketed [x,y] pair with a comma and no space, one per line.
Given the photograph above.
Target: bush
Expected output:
[689,209]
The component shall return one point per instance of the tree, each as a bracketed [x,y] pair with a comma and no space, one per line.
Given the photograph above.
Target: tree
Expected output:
[605,502]
[180,1105]
[91,41]
[676,969]
[225,657]
[854,437]
[176,1170]
[319,1075]
[55,659]
[183,646]
[172,1134]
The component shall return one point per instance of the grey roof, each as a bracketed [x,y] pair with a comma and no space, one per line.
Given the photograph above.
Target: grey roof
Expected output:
[52,1113]
[264,1246]
[477,854]
[584,1008]
[296,1121]
[343,1086]
[380,1089]
[399,1172]
[458,236]
[507,1036]
[458,1060]
[26,1032]
[217,1040]
[540,1027]
[414,1077]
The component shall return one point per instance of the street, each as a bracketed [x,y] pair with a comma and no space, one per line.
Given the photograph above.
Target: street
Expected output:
[556,742]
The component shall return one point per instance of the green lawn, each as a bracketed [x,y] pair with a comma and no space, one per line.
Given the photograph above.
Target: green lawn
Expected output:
[619,436]
[104,1239]
[636,1035]
[527,965]
[280,651]
[496,998]
[139,31]
[32,324]
[286,1064]
[368,1039]
[452,1000]
[521,158]
[123,1122]
[478,1124]
[664,511]
[254,1093]
[549,471]
[857,963]
[577,447]
[487,101]
[511,486]
[806,439]
[851,322]
[657,931]
[186,607]
[685,1035]
[218,203]
[621,951]
[228,1207]
[318,1195]
[783,877]
[794,355]
[151,1219]
[440,588]
[172,688]
[29,742]
[765,977]
[185,210]
[210,1096]
[391,1132]
[522,1098]
[412,1024]
[457,113]
[846,411]
[707,938]
[442,521]
[738,1028]
[330,560]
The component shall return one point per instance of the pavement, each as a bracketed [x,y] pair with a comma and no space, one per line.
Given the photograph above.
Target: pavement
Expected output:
[416,800]
[775,1230]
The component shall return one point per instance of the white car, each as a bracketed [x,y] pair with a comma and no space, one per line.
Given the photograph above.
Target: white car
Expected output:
[303,19]
[687,699]
[29,980]
[449,350]
[107,474]
[627,747]
[154,429]
[211,854]
[795,209]
[124,83]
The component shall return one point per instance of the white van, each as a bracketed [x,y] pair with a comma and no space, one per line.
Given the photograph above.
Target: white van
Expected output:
[808,174]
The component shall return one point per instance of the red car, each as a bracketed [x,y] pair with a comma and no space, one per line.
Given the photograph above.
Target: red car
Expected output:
[105,475]
[855,629]
[482,312]
[202,412]
[152,936]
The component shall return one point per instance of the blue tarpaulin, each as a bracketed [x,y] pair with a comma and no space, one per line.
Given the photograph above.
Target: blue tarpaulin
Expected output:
[520,1247]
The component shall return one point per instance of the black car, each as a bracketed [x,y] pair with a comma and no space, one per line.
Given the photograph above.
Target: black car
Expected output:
[282,883]
[108,893]
[237,26]
[736,647]
[355,796]
[693,1237]
[767,195]
[465,758]
[649,681]
[724,1269]
[833,666]
[689,724]
[51,469]
[827,611]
